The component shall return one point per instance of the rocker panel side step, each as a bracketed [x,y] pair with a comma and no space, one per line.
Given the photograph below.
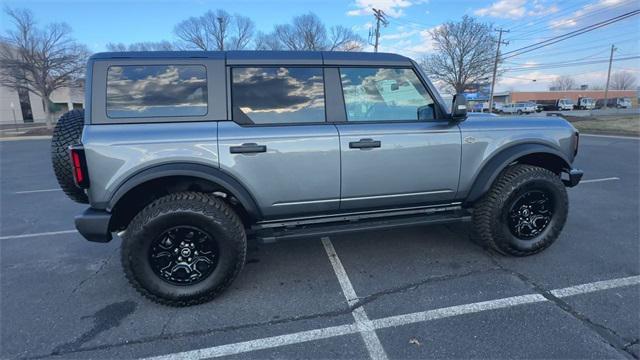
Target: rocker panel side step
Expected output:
[272,235]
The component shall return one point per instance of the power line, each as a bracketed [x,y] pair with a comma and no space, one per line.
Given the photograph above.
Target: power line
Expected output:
[555,39]
[559,14]
[568,64]
[589,13]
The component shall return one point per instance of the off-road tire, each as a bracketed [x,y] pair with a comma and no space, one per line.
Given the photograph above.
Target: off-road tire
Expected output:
[489,227]
[208,213]
[67,132]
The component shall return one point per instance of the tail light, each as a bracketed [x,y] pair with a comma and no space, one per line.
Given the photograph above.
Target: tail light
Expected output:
[79,166]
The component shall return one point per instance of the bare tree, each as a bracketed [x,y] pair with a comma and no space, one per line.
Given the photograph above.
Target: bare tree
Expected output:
[215,30]
[623,80]
[142,46]
[308,32]
[344,39]
[465,53]
[40,60]
[267,42]
[562,83]
[244,29]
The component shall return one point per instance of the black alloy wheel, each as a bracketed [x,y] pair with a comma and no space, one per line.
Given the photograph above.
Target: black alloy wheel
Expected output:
[183,255]
[530,214]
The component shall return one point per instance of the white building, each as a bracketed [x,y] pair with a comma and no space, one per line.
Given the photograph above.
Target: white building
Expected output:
[27,107]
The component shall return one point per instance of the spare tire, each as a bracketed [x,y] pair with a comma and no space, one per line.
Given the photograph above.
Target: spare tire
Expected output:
[67,132]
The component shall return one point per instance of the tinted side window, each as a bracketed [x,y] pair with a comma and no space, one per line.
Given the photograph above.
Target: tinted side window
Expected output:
[277,95]
[135,91]
[385,94]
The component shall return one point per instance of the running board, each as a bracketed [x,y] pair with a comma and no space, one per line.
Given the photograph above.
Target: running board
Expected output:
[318,230]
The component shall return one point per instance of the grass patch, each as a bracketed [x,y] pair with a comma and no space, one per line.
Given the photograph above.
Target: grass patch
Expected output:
[615,125]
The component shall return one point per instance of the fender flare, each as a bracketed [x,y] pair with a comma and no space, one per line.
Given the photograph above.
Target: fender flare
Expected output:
[498,162]
[204,172]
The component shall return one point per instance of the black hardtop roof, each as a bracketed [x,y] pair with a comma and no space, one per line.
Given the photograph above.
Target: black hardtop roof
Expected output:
[266,57]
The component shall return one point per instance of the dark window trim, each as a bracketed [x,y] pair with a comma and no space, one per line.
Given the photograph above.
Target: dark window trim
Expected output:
[437,119]
[229,74]
[106,96]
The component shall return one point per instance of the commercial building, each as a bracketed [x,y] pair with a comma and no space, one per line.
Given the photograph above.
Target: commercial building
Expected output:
[24,107]
[535,96]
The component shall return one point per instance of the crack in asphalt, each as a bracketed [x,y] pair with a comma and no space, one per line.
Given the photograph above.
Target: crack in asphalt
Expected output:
[361,301]
[608,335]
[95,273]
[329,314]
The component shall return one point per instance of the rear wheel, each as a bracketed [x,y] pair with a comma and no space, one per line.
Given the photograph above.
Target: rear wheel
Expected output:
[184,249]
[523,212]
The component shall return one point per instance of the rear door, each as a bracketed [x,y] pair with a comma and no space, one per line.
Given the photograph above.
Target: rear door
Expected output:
[391,157]
[279,144]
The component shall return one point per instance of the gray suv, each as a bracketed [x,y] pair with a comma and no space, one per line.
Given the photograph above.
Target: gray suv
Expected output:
[187,154]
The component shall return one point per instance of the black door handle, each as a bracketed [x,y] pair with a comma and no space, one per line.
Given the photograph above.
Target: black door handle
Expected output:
[248,148]
[364,144]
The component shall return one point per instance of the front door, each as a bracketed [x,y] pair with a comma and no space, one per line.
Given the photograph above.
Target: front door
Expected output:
[279,144]
[391,157]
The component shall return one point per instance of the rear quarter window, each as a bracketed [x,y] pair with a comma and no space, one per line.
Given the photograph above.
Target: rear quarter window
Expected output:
[140,91]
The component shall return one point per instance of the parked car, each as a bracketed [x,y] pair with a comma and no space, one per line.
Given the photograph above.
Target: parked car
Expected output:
[585,103]
[565,104]
[518,108]
[186,154]
[538,107]
[618,103]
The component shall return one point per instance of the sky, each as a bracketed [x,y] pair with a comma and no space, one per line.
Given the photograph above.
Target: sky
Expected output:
[96,23]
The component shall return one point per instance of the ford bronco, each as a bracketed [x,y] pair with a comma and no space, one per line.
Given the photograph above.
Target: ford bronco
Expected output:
[186,154]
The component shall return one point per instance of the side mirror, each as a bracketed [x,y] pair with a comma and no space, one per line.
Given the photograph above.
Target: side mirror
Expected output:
[459,108]
[426,113]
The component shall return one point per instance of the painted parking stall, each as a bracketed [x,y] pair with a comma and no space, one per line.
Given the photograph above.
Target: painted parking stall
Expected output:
[413,293]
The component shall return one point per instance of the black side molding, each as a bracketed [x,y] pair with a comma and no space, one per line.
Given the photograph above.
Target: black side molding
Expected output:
[93,224]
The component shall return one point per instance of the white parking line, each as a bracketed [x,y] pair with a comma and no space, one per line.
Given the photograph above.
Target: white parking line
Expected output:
[36,191]
[599,180]
[392,321]
[595,286]
[261,344]
[368,333]
[6,237]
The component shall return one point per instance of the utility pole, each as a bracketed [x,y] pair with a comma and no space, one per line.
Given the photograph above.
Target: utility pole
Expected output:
[606,88]
[495,65]
[380,18]
[222,27]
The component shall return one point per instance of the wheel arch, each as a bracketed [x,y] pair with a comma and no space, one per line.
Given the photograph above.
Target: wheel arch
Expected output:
[145,186]
[540,155]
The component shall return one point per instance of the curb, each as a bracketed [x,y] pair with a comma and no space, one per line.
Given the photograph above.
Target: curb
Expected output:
[610,135]
[18,138]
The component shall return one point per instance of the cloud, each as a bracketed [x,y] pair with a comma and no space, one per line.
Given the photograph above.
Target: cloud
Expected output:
[393,8]
[516,9]
[399,35]
[597,11]
[426,44]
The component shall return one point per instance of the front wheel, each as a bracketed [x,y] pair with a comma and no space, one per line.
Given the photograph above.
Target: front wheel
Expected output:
[523,212]
[184,249]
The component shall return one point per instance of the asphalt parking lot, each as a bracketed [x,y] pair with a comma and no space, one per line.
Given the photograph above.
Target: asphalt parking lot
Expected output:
[413,293]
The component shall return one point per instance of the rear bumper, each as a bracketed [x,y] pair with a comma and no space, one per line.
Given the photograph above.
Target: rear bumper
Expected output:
[575,176]
[93,224]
